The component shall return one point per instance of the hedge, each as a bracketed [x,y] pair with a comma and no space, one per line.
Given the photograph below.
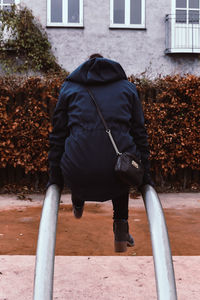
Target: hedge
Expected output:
[172,112]
[171,107]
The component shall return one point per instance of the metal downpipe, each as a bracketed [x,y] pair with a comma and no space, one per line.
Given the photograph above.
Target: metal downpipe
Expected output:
[45,255]
[163,265]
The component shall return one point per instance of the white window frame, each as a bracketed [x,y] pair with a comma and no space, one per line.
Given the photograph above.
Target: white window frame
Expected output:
[127,16]
[7,33]
[188,26]
[64,23]
[174,8]
[2,4]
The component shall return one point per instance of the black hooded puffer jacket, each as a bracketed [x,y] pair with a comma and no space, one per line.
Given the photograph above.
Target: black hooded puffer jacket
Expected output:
[80,150]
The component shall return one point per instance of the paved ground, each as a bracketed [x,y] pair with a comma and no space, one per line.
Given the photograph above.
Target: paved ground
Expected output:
[100,277]
[169,200]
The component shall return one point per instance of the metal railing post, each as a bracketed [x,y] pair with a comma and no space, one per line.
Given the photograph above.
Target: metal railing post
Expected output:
[163,265]
[44,266]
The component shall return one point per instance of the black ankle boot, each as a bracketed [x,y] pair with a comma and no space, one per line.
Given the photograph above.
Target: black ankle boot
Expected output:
[122,236]
[78,211]
[130,239]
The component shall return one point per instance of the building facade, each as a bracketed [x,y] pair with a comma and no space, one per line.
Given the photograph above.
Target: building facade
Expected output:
[147,37]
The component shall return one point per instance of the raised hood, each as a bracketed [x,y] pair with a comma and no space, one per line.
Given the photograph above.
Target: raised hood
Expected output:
[97,71]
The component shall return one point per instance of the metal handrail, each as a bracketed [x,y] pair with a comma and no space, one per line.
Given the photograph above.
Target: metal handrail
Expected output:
[163,264]
[44,267]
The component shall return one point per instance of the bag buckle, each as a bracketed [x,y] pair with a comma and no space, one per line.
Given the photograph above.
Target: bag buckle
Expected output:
[134,164]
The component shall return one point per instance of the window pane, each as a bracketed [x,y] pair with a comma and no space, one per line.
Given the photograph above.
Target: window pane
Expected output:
[119,11]
[181,3]
[193,3]
[181,16]
[7,7]
[56,10]
[73,11]
[136,12]
[194,16]
[8,1]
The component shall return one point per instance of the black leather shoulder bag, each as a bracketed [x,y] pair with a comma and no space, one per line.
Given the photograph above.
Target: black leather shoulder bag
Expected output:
[128,168]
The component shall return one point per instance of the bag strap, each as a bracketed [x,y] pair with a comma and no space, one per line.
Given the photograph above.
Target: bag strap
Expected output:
[108,131]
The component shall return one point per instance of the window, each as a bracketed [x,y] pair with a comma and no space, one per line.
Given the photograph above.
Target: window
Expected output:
[127,13]
[66,13]
[6,4]
[183,27]
[187,11]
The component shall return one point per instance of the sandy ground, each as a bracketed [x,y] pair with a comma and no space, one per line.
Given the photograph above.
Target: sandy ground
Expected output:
[85,266]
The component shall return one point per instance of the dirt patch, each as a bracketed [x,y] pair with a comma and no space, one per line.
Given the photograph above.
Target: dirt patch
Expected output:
[92,235]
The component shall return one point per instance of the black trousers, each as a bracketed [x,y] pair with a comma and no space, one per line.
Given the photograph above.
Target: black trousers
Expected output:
[120,205]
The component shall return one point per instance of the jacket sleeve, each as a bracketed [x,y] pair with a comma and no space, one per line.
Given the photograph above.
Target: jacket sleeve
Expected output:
[138,131]
[57,141]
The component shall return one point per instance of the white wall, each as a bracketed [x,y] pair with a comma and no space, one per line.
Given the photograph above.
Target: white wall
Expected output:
[136,50]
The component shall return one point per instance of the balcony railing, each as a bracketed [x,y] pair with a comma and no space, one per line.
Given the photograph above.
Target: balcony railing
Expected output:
[182,33]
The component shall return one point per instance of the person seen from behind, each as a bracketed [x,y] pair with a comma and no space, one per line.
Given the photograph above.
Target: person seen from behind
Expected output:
[81,154]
